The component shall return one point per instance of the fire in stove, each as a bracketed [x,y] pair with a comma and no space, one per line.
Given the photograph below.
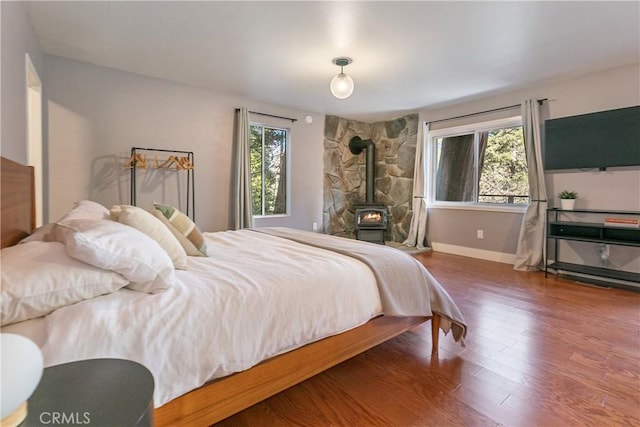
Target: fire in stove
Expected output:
[371,217]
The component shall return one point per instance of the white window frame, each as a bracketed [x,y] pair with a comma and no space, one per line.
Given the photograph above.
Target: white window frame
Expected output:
[430,143]
[287,166]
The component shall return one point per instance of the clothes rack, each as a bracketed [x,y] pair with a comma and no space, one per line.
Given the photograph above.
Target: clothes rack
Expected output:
[176,160]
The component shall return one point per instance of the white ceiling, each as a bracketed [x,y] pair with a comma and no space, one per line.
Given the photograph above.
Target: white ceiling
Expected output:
[406,55]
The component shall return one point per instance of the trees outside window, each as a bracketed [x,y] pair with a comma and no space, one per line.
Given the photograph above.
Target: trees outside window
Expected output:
[485,164]
[268,169]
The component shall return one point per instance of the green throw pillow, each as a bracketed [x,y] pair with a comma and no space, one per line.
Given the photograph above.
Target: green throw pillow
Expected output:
[184,225]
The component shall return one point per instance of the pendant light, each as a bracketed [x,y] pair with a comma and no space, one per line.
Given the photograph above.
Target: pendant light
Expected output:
[342,85]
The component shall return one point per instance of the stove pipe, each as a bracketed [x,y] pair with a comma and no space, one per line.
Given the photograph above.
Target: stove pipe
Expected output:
[356,145]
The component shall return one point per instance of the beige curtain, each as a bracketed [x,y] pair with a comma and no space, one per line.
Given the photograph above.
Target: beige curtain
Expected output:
[417,235]
[241,207]
[531,243]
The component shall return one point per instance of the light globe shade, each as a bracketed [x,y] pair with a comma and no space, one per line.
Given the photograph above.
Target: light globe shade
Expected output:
[341,86]
[21,363]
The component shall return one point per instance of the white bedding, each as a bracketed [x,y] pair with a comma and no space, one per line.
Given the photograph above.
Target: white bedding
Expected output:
[256,296]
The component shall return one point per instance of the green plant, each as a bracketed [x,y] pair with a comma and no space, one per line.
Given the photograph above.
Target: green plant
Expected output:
[568,194]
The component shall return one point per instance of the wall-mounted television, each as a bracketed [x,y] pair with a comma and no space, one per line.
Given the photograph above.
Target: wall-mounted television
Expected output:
[593,141]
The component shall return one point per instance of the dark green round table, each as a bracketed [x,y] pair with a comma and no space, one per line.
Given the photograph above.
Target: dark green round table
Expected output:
[96,392]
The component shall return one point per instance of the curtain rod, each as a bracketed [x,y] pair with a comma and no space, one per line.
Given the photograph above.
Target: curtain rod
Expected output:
[270,115]
[540,101]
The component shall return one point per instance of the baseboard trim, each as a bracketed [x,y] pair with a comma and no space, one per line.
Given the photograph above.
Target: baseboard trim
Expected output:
[597,281]
[474,253]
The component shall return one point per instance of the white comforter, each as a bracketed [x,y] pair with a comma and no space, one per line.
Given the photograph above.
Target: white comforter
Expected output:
[256,296]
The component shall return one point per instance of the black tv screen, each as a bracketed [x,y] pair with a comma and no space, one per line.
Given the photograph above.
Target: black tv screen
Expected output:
[596,140]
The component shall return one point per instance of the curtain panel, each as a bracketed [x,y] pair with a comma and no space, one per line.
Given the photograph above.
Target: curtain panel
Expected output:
[531,242]
[242,212]
[417,235]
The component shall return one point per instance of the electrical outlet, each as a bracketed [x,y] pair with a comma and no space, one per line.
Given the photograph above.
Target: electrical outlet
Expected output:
[315,226]
[603,252]
[479,234]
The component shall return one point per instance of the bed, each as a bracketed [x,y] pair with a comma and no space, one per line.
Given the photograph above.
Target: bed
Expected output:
[355,317]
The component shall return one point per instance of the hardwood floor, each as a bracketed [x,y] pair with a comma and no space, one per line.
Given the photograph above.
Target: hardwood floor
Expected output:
[539,352]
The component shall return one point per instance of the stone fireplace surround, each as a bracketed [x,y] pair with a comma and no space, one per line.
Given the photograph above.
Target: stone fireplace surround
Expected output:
[344,173]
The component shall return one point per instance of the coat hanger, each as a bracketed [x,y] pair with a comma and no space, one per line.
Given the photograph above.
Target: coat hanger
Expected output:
[170,161]
[138,161]
[185,163]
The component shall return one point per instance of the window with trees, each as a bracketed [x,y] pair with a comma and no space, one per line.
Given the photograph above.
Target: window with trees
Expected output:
[481,164]
[268,169]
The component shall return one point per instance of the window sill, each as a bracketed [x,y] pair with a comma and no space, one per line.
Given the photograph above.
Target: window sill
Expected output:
[481,207]
[271,216]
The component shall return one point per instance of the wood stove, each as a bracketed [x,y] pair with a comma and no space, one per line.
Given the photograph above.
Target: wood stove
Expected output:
[371,217]
[371,222]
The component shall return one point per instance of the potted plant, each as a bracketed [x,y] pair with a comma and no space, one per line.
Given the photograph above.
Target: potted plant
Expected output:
[567,199]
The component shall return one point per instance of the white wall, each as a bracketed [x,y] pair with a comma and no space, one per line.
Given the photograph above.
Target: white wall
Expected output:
[95,115]
[613,189]
[18,39]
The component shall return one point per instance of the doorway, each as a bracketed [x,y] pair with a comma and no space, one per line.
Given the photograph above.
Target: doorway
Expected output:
[34,134]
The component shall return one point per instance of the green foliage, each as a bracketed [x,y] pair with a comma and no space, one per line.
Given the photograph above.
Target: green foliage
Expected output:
[255,137]
[504,174]
[268,170]
[565,194]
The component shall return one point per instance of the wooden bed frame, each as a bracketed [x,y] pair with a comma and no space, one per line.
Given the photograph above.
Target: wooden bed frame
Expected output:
[17,200]
[226,396]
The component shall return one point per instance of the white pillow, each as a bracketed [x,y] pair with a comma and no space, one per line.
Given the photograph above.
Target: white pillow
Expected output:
[39,277]
[117,247]
[151,226]
[83,209]
[86,209]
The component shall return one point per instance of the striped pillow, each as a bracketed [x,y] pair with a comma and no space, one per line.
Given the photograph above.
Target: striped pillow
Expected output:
[184,225]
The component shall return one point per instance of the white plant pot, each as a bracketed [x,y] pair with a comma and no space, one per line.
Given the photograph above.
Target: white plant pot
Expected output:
[567,204]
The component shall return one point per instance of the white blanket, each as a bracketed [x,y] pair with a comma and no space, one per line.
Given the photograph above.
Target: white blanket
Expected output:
[406,287]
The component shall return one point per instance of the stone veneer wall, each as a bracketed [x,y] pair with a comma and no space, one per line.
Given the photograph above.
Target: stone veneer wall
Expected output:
[344,173]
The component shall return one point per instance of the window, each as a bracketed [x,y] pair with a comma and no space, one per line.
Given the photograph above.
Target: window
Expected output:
[268,169]
[482,164]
